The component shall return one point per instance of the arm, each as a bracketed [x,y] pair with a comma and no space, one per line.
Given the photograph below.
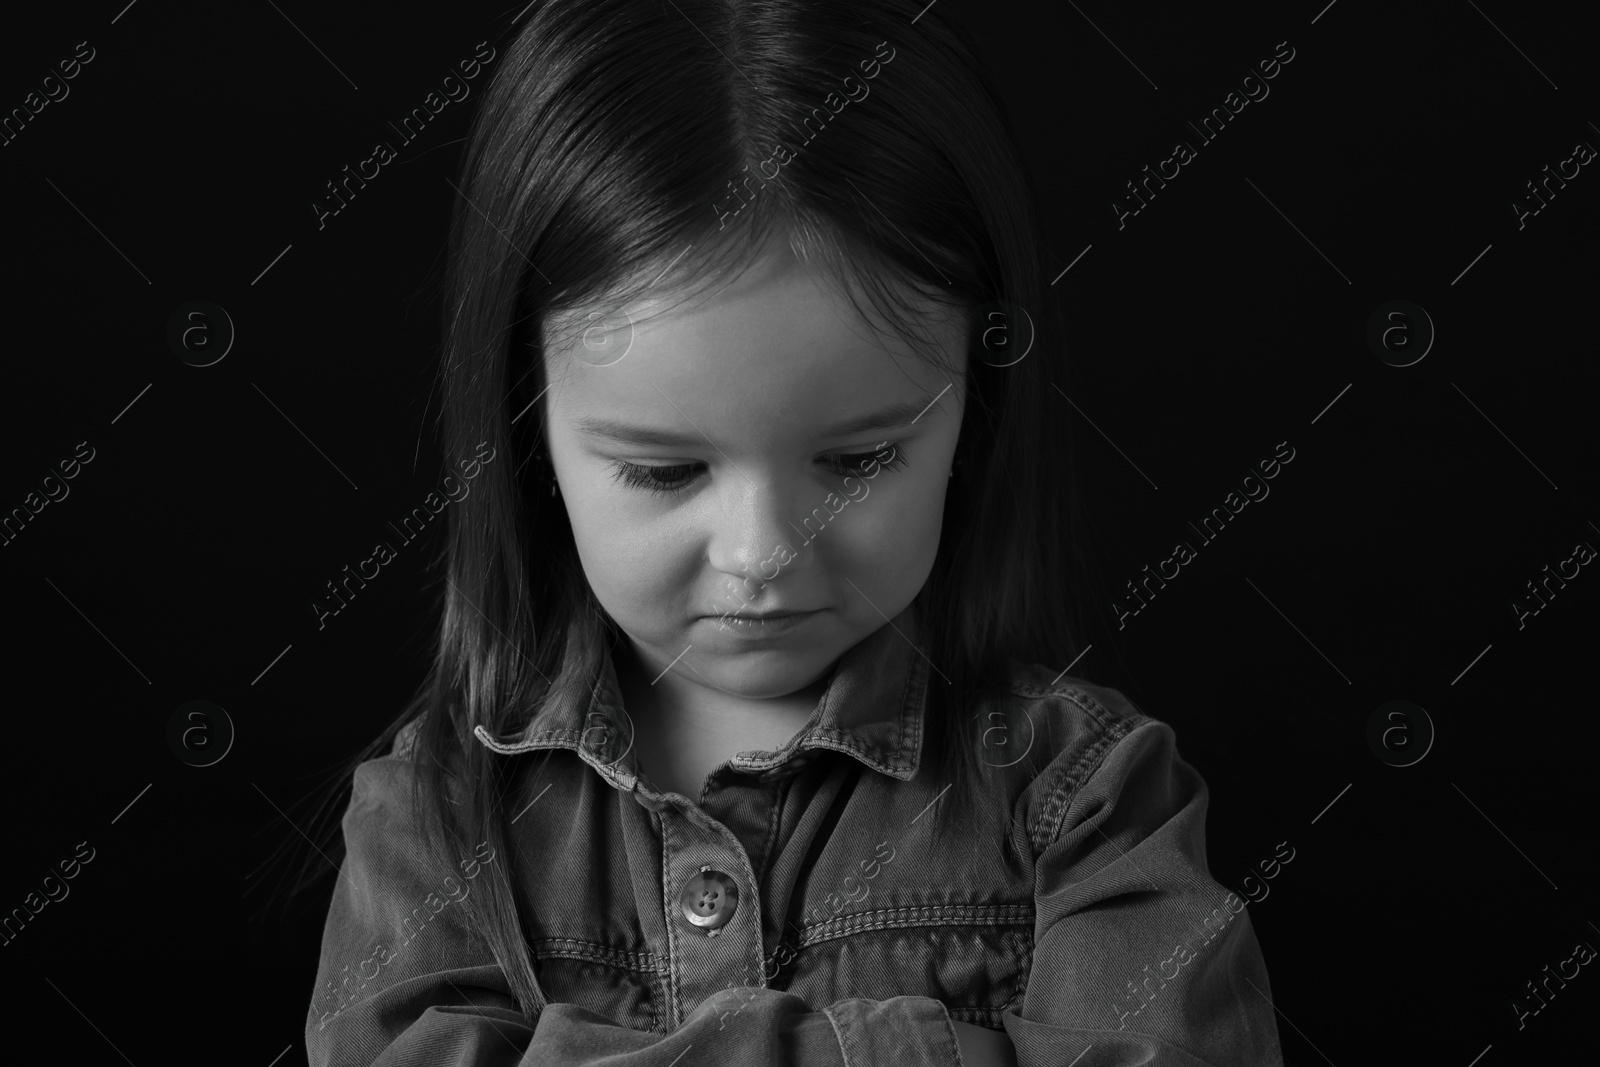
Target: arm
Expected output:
[404,980]
[1138,952]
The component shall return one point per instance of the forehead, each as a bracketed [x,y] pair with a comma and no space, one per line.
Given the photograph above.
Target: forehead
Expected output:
[779,353]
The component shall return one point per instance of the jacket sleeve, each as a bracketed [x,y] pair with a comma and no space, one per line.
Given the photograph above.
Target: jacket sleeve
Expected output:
[1140,957]
[404,979]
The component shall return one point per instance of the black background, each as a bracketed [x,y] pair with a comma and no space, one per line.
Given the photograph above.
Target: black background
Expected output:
[1222,319]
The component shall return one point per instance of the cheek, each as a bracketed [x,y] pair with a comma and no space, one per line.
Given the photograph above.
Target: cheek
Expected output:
[892,537]
[629,559]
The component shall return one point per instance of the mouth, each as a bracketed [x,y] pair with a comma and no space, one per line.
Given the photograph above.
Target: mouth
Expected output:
[772,623]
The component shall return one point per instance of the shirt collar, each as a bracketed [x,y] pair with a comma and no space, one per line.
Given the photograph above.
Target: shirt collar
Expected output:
[871,710]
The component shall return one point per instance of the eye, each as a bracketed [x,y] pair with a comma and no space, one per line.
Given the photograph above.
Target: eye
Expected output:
[667,480]
[890,456]
[679,477]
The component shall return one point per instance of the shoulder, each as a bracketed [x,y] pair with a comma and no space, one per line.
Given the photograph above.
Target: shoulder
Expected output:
[387,790]
[1080,708]
[1088,746]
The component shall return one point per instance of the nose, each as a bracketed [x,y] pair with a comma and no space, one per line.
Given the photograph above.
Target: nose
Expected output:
[760,532]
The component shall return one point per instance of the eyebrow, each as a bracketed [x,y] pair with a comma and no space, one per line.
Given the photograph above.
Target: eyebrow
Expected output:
[897,414]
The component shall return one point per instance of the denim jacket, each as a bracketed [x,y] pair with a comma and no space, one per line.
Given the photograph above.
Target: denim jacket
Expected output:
[798,913]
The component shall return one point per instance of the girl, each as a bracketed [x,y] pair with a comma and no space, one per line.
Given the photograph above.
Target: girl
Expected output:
[747,739]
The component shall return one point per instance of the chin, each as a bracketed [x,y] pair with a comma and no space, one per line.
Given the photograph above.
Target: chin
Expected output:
[765,673]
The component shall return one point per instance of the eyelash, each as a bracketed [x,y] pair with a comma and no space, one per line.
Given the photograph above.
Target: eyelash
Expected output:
[637,476]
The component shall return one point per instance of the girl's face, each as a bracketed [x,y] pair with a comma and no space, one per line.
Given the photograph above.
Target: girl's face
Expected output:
[756,451]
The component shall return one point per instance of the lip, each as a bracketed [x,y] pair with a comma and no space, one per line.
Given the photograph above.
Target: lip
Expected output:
[757,626]
[767,614]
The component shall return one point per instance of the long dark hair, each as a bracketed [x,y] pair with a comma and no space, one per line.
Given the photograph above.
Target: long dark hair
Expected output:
[624,144]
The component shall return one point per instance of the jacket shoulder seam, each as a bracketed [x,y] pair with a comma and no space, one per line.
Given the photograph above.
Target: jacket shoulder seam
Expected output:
[1107,727]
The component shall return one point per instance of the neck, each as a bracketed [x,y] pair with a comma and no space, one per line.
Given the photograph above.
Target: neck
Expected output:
[672,696]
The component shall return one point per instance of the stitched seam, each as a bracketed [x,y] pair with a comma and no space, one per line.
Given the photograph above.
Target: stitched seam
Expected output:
[950,1031]
[1114,728]
[576,948]
[888,918]
[1025,972]
[1065,787]
[842,742]
[838,1034]
[672,929]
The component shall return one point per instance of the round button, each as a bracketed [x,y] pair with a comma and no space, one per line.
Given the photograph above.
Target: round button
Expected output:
[709,900]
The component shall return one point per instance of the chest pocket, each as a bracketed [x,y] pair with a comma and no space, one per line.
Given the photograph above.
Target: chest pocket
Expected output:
[971,957]
[889,925]
[625,987]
